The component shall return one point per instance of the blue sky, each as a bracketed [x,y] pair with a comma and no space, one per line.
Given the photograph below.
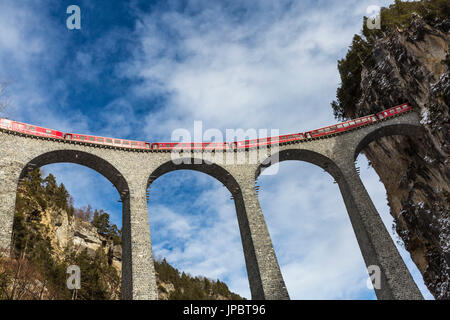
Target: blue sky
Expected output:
[141,69]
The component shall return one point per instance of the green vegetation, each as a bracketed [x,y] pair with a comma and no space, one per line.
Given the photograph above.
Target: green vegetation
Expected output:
[398,15]
[187,287]
[32,249]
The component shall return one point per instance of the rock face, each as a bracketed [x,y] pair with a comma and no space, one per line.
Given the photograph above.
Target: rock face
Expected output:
[78,234]
[412,65]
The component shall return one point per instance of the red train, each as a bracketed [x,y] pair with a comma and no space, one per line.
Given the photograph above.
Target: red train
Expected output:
[108,141]
[29,129]
[245,144]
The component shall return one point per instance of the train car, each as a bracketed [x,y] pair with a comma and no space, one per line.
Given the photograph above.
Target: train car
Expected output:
[394,111]
[178,146]
[220,146]
[262,142]
[343,126]
[291,137]
[108,141]
[166,146]
[30,129]
[245,144]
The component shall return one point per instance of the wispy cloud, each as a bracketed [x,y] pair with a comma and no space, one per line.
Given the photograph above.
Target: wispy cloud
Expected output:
[248,71]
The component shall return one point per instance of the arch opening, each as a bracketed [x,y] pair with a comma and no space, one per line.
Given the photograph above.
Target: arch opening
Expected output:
[51,232]
[379,147]
[310,228]
[193,225]
[412,130]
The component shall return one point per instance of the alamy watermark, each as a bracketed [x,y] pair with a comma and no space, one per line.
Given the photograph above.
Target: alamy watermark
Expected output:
[187,148]
[374,19]
[374,280]
[74,280]
[74,20]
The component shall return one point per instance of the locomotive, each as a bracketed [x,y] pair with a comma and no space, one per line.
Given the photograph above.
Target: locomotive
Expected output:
[194,146]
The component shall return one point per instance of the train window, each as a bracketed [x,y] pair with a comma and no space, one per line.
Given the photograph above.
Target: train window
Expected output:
[100,139]
[327,129]
[352,123]
[345,124]
[405,106]
[357,120]
[48,131]
[109,140]
[392,111]
[155,146]
[91,138]
[117,141]
[398,109]
[339,126]
[125,142]
[82,138]
[133,143]
[320,130]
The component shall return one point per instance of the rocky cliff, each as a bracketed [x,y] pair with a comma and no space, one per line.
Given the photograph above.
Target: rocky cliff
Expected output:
[408,60]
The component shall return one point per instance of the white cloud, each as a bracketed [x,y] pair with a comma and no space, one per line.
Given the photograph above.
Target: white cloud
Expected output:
[274,70]
[31,51]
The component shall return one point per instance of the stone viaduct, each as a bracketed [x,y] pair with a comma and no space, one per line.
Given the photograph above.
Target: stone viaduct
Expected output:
[132,172]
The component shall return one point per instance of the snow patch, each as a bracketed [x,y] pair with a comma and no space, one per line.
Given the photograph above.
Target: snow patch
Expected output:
[424,117]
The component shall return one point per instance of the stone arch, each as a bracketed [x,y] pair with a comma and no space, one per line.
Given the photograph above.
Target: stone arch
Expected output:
[111,173]
[255,275]
[212,169]
[404,129]
[83,158]
[313,157]
[376,246]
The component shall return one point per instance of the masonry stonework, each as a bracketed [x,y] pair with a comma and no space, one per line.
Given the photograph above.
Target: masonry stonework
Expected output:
[133,171]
